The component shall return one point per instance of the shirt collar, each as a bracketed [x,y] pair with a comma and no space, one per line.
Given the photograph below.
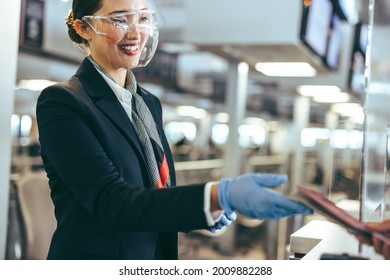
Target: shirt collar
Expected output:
[131,82]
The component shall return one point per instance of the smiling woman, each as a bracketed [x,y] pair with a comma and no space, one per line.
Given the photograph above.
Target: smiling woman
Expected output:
[109,164]
[117,37]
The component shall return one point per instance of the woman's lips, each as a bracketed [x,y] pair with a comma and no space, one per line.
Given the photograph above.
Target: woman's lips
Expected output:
[129,49]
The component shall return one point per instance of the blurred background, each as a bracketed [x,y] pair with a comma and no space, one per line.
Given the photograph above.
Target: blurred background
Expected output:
[291,86]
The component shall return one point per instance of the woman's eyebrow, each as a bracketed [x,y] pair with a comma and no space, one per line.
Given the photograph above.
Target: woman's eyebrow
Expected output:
[126,11]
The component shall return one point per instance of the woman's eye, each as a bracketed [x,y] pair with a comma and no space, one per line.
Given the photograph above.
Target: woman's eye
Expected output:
[118,20]
[144,18]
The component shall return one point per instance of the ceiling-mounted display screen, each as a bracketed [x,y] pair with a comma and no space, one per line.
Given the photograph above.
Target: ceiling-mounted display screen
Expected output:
[316,22]
[333,52]
[363,36]
[347,9]
[357,80]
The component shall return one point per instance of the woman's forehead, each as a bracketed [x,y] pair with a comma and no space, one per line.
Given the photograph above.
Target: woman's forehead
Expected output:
[120,6]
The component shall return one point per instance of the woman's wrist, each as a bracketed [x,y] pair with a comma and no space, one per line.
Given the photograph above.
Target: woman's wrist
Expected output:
[214,203]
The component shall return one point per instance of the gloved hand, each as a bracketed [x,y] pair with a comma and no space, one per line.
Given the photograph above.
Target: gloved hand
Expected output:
[225,221]
[250,195]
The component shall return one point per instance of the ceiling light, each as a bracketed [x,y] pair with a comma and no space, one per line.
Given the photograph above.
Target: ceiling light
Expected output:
[324,94]
[222,117]
[347,109]
[255,121]
[286,69]
[311,91]
[191,111]
[332,97]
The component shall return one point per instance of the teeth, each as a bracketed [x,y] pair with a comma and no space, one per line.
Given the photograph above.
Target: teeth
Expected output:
[130,48]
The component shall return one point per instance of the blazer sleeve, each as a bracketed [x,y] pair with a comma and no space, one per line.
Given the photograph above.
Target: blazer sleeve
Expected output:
[69,146]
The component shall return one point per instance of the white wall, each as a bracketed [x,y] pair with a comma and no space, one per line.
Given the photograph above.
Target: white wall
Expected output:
[252,22]
[56,40]
[9,29]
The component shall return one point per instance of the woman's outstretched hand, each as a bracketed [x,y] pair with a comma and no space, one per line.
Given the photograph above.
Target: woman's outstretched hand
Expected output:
[252,196]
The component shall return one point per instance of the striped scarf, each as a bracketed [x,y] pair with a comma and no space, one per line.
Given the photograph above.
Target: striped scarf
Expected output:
[146,130]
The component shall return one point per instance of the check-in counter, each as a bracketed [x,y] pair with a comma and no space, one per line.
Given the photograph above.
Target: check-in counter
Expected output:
[320,237]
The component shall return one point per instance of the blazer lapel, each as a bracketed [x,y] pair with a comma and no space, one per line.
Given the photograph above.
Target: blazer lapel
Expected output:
[107,102]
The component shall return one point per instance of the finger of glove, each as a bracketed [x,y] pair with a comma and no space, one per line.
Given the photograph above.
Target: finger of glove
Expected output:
[264,203]
[269,180]
[286,207]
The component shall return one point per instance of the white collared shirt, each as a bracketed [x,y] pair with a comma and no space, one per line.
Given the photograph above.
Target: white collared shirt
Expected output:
[124,96]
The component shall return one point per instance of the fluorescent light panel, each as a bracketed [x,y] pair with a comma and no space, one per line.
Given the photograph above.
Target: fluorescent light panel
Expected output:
[324,94]
[347,109]
[191,111]
[332,97]
[286,69]
[315,90]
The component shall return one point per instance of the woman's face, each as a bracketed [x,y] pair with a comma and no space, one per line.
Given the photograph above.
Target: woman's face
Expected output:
[117,49]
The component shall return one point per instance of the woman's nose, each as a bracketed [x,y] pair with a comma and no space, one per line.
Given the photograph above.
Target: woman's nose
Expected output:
[133,30]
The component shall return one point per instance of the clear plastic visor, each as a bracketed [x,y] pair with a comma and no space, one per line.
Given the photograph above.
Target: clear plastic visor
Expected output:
[143,23]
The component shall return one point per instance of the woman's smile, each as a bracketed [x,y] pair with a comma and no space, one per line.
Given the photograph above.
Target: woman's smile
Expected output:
[129,49]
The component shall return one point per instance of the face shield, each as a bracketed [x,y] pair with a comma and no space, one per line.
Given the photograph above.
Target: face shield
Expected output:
[139,23]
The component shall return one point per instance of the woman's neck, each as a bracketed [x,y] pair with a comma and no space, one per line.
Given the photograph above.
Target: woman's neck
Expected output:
[118,75]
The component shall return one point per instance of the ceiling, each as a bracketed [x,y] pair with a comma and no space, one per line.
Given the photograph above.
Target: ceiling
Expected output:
[60,57]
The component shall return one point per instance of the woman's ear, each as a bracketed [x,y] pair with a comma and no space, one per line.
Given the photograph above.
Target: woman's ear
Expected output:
[82,29]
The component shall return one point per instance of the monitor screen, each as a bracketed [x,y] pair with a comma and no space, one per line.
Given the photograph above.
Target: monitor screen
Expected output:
[363,37]
[347,9]
[333,52]
[316,22]
[357,78]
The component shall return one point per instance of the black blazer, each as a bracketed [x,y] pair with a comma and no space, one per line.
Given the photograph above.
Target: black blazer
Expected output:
[105,205]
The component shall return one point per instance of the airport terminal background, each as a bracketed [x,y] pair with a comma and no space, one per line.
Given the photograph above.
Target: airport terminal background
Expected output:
[227,109]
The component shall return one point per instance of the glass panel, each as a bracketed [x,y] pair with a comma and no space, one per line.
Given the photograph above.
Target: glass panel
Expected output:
[346,143]
[375,151]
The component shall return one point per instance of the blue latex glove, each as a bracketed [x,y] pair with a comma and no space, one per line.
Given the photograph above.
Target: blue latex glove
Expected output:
[250,195]
[225,221]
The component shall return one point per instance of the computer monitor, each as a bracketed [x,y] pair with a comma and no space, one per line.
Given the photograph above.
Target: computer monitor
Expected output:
[334,43]
[316,21]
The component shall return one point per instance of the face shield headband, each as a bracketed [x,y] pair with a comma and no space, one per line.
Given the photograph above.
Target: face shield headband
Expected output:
[141,23]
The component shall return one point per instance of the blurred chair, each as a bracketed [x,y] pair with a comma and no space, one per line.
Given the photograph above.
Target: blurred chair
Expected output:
[36,214]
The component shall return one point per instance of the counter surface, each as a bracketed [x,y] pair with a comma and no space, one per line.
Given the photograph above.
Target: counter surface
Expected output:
[318,237]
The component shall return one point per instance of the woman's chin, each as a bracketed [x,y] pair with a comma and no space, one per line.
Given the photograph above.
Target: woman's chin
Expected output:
[133,63]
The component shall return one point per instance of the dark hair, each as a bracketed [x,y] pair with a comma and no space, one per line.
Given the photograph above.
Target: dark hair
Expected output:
[80,8]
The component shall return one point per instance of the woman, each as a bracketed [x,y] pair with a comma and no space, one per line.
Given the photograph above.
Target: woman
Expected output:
[108,161]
